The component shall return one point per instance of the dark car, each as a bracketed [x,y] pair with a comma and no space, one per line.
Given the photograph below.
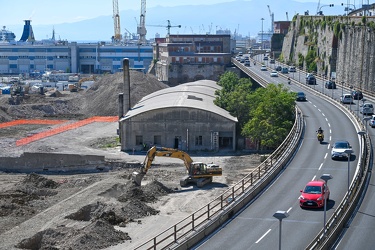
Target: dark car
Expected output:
[278,68]
[311,80]
[330,85]
[301,96]
[357,95]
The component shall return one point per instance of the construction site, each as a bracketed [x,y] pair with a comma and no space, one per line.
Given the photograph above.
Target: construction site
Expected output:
[98,205]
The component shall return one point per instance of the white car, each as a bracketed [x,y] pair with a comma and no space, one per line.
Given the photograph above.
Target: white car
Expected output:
[339,148]
[274,73]
[346,98]
[367,109]
[263,68]
[372,121]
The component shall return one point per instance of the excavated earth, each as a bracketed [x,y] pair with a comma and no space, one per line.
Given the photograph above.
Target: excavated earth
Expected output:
[96,210]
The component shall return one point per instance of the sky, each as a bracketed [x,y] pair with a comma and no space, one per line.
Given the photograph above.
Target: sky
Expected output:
[55,12]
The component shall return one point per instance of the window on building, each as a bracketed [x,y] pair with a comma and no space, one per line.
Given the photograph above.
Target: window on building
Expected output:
[157,140]
[198,140]
[138,139]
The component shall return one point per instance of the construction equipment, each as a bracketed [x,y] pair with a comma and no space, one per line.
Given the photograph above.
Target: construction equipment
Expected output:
[198,172]
[75,87]
[116,19]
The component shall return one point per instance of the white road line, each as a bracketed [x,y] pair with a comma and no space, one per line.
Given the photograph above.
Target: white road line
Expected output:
[313,178]
[289,210]
[325,157]
[264,235]
[321,165]
[329,125]
[319,110]
[324,115]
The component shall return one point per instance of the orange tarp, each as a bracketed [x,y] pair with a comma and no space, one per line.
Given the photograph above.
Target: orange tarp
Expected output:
[57,130]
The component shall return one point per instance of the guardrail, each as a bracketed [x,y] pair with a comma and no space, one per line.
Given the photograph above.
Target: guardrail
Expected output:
[205,220]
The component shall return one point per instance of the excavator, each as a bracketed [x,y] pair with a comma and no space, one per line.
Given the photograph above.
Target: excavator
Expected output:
[197,172]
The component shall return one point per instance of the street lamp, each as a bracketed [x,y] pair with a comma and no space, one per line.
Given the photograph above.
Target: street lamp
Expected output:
[280,215]
[262,34]
[363,111]
[361,133]
[348,151]
[326,178]
[321,12]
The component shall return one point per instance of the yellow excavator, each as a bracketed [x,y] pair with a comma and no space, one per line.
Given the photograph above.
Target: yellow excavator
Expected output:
[198,172]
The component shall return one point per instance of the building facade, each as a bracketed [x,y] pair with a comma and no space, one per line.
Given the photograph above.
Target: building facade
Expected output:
[185,58]
[86,58]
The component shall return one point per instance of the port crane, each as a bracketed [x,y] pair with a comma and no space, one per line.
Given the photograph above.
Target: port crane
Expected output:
[169,26]
[141,29]
[272,18]
[116,20]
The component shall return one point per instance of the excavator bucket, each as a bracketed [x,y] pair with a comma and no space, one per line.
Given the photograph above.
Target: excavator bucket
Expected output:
[137,178]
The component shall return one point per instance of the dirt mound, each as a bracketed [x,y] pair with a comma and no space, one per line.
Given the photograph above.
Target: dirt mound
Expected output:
[39,181]
[146,193]
[97,235]
[99,100]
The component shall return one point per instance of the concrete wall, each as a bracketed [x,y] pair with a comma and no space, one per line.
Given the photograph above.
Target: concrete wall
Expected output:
[49,162]
[182,123]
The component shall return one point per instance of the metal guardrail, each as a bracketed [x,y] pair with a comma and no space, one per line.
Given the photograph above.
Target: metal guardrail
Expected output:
[205,220]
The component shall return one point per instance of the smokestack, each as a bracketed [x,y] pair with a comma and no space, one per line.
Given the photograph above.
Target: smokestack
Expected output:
[126,87]
[28,34]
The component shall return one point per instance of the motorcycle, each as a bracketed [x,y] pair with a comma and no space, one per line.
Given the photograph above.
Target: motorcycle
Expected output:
[320,137]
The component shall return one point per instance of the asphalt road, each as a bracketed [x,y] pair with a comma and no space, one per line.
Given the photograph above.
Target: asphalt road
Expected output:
[255,227]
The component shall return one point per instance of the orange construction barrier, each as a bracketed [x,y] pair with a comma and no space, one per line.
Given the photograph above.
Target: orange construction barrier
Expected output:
[57,130]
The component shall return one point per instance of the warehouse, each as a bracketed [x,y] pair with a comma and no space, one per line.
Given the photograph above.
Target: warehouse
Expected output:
[182,117]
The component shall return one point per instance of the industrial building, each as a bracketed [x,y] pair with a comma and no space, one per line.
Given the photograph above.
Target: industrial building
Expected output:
[183,117]
[28,55]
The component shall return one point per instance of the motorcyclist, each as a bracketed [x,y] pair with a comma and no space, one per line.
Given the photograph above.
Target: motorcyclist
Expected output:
[320,130]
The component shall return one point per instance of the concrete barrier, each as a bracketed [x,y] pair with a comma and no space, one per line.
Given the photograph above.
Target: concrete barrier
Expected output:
[53,163]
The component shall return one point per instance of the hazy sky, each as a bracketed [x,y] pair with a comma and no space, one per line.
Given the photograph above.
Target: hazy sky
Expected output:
[13,12]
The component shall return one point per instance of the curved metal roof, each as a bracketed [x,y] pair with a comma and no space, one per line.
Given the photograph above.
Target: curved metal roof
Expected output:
[199,95]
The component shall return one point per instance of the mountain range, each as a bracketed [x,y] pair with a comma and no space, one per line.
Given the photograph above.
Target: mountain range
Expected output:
[240,17]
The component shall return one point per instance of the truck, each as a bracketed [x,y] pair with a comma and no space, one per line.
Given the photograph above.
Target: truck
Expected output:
[198,173]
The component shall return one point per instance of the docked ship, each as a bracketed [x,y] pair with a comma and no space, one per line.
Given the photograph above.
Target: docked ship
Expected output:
[29,55]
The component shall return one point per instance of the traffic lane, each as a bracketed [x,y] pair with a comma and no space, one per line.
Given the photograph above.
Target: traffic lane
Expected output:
[284,192]
[359,234]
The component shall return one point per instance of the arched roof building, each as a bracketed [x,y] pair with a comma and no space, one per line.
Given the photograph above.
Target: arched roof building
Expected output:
[182,117]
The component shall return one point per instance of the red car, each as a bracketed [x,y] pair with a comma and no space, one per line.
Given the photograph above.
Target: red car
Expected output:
[314,194]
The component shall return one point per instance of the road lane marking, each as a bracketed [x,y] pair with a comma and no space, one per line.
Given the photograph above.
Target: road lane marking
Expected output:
[289,210]
[313,178]
[325,157]
[264,235]
[321,164]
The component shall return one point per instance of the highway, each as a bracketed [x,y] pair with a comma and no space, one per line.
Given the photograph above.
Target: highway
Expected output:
[255,227]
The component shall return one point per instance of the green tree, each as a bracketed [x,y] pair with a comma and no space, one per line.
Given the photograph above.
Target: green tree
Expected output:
[234,96]
[271,117]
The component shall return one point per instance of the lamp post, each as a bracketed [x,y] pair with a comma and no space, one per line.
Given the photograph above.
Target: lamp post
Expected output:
[363,111]
[348,151]
[280,215]
[342,88]
[262,35]
[326,178]
[361,133]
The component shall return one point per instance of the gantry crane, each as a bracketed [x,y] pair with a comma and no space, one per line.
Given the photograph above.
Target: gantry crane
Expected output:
[272,19]
[116,20]
[141,29]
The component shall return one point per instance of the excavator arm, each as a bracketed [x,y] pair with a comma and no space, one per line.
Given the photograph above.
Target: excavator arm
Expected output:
[163,152]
